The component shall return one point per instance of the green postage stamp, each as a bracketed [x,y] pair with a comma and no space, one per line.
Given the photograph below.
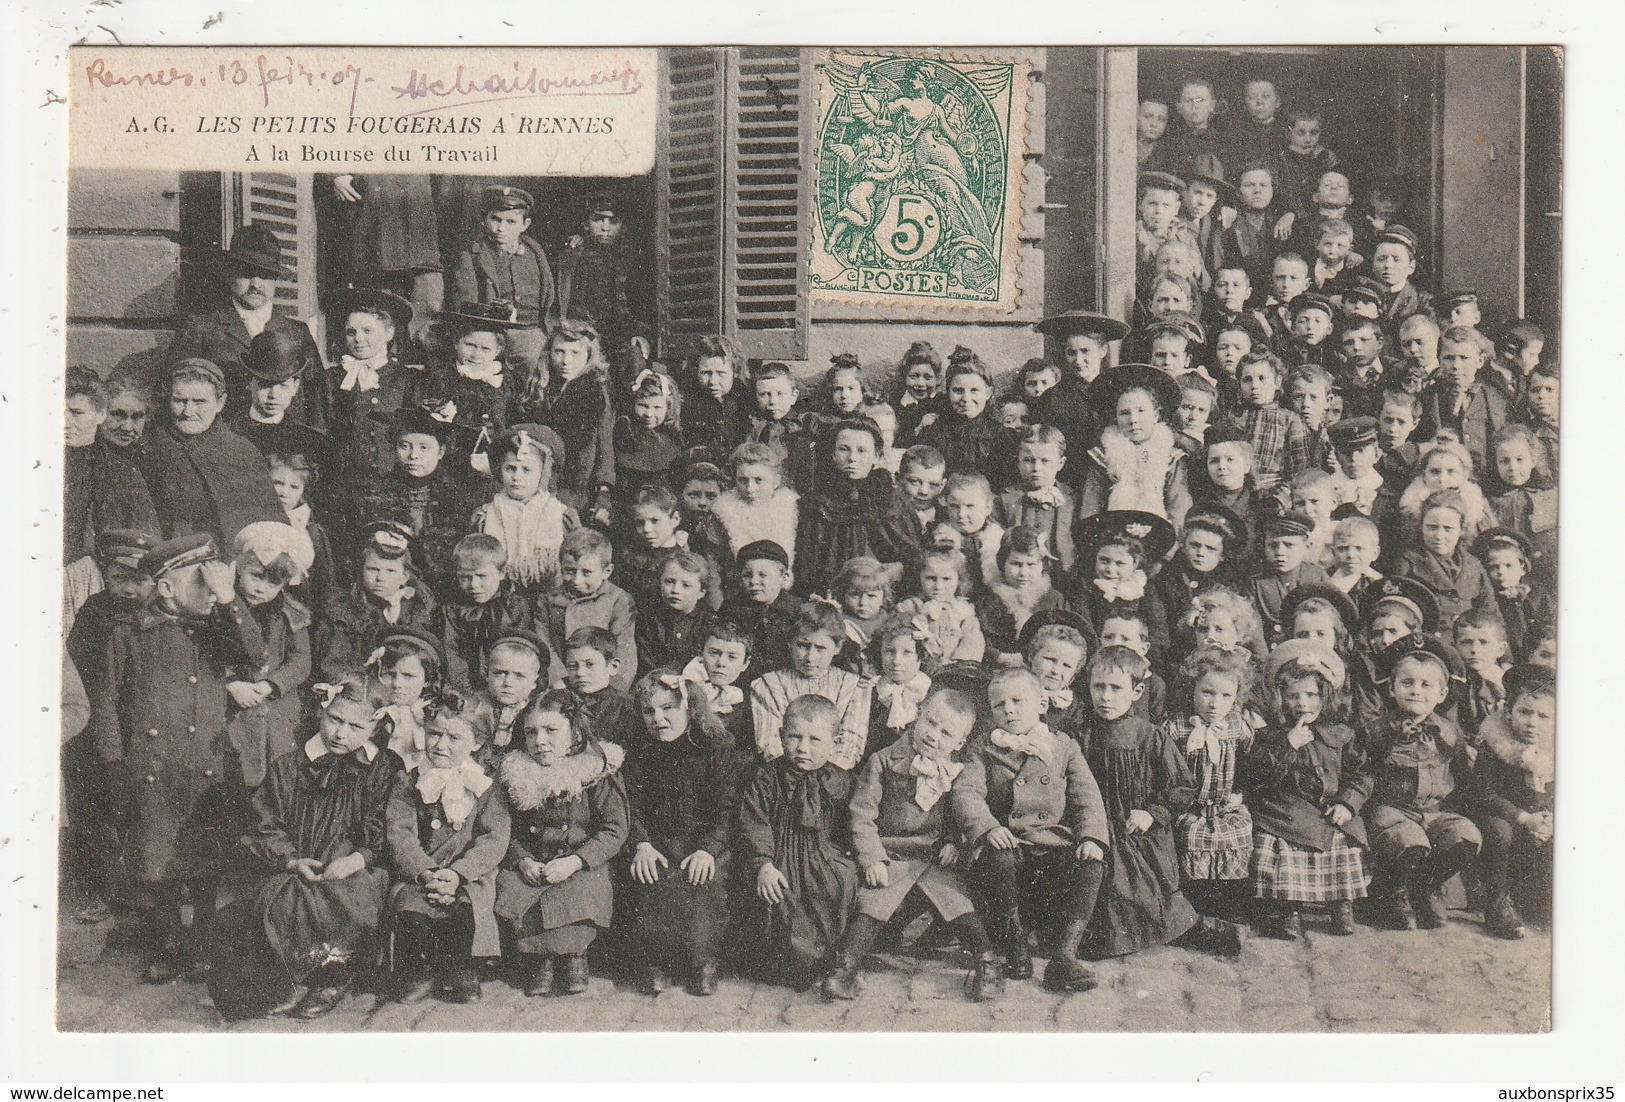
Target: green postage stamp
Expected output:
[919,172]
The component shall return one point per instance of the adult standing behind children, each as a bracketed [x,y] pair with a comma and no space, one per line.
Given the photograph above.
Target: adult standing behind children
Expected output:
[249,270]
[201,475]
[504,262]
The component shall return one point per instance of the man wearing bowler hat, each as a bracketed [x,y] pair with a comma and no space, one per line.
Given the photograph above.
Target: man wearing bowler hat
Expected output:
[249,270]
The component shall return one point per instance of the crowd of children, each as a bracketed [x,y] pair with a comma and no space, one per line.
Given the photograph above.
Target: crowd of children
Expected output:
[548,655]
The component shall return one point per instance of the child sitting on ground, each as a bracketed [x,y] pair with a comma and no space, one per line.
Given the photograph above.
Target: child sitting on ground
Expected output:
[795,832]
[448,834]
[1037,848]
[682,780]
[1306,784]
[586,598]
[819,632]
[898,653]
[570,818]
[1514,789]
[945,622]
[490,607]
[1216,834]
[904,832]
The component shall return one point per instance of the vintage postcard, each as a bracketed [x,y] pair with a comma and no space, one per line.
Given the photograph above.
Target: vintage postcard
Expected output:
[818,538]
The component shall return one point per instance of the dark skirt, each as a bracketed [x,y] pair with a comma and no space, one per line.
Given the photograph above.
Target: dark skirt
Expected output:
[675,922]
[1140,903]
[806,929]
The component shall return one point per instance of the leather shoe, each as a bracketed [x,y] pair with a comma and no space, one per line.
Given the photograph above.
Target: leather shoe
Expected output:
[1342,918]
[459,985]
[320,1000]
[655,980]
[704,982]
[411,988]
[987,979]
[539,978]
[1433,912]
[575,974]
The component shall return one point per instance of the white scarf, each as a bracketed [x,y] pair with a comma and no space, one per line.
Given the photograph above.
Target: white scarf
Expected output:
[932,779]
[299,515]
[362,375]
[1038,742]
[455,789]
[904,697]
[1204,736]
[1347,581]
[490,374]
[1049,497]
[724,698]
[1131,588]
[530,531]
[406,735]
[316,748]
[1138,472]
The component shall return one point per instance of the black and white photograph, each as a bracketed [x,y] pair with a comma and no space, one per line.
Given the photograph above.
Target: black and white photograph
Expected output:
[950,539]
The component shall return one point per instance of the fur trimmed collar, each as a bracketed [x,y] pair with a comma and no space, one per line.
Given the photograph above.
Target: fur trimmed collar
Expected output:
[1138,472]
[530,786]
[1536,761]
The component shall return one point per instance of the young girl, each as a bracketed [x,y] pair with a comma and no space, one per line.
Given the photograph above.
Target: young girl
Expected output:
[897,652]
[570,817]
[385,596]
[268,711]
[1306,784]
[571,397]
[966,432]
[1526,609]
[524,514]
[407,664]
[1216,833]
[648,442]
[1211,545]
[1447,467]
[1522,492]
[1223,619]
[820,631]
[1023,588]
[319,841]
[1137,465]
[967,506]
[945,621]
[919,374]
[1055,646]
[843,388]
[293,477]
[448,833]
[904,832]
[795,831]
[863,589]
[654,520]
[717,400]
[759,506]
[682,780]
[514,665]
[474,382]
[854,510]
[1120,548]
[1442,563]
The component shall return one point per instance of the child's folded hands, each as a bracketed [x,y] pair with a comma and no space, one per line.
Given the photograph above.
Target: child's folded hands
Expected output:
[562,868]
[1338,815]
[877,875]
[948,856]
[701,867]
[771,883]
[530,871]
[647,863]
[245,694]
[307,867]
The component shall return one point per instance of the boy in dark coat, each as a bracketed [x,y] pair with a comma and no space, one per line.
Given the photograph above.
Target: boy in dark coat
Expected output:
[487,608]
[1514,786]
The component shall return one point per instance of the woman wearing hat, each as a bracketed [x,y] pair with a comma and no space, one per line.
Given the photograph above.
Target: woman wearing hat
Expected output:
[1137,465]
[202,476]
[249,271]
[370,384]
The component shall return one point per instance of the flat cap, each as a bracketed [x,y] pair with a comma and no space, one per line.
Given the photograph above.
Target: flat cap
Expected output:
[173,554]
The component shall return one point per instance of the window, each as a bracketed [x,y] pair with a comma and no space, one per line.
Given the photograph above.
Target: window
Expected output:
[285,203]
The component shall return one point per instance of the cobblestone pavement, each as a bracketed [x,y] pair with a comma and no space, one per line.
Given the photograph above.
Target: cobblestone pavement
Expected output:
[1451,980]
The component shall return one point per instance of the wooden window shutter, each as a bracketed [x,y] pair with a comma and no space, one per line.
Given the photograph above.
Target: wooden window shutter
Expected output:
[689,223]
[286,204]
[770,94]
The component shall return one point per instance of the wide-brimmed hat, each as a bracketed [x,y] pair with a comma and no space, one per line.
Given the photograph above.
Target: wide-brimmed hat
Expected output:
[255,249]
[1326,592]
[1083,323]
[1153,532]
[1230,525]
[497,315]
[1226,190]
[372,300]
[1051,616]
[1113,383]
[1408,592]
[1310,654]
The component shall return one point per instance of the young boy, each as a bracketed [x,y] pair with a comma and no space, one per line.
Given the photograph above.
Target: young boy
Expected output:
[587,598]
[1260,136]
[723,658]
[670,631]
[1541,404]
[1289,278]
[1161,194]
[1356,544]
[1514,784]
[1419,759]
[1040,501]
[1197,397]
[503,262]
[1333,264]
[592,668]
[1308,393]
[514,666]
[1055,646]
[1459,401]
[905,834]
[1459,309]
[764,607]
[1285,567]
[486,608]
[1393,262]
[1169,339]
[1280,442]
[968,505]
[776,396]
[158,719]
[795,832]
[1128,630]
[922,474]
[1526,609]
[1360,377]
[599,279]
[1034,815]
[1229,466]
[386,595]
[1304,160]
[1309,342]
[1482,640]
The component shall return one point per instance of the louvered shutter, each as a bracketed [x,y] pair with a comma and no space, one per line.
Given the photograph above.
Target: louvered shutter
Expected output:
[689,245]
[765,236]
[286,204]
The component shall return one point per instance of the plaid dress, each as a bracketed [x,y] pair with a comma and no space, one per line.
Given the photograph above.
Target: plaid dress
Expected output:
[1298,855]
[1215,841]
